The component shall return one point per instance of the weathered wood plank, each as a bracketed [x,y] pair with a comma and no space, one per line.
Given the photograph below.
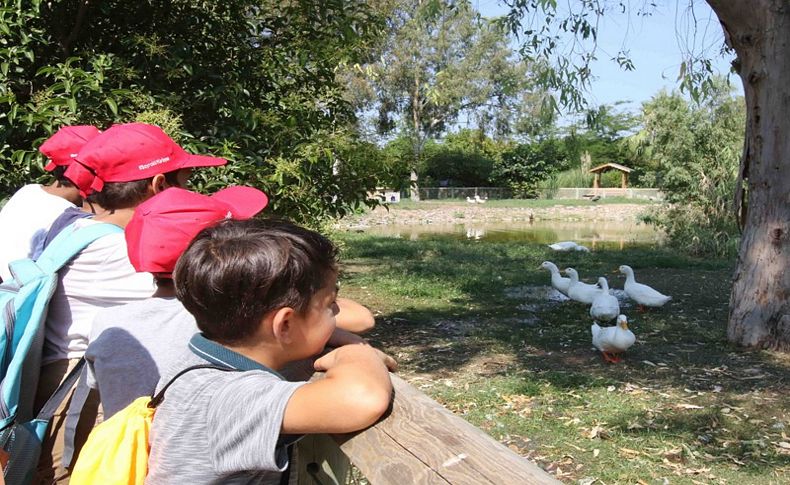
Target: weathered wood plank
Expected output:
[421,442]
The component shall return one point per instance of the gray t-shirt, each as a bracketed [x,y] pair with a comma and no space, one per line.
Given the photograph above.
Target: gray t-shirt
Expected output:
[216,427]
[131,345]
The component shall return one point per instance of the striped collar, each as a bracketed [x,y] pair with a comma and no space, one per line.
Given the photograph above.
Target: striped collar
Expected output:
[217,354]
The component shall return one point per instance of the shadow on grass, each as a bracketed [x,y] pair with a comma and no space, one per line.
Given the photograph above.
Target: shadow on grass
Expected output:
[711,435]
[445,304]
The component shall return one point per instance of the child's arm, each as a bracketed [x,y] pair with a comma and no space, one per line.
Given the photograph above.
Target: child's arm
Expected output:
[353,316]
[342,337]
[354,394]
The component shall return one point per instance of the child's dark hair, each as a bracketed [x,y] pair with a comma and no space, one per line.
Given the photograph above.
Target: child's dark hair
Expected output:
[58,173]
[236,272]
[124,195]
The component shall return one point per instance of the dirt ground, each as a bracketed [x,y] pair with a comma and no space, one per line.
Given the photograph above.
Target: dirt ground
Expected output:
[450,213]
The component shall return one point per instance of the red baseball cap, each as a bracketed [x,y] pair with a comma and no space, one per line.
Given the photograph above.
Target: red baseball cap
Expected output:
[163,226]
[62,147]
[81,176]
[136,151]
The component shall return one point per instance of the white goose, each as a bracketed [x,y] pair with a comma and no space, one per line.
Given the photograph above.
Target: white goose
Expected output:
[643,295]
[612,341]
[557,281]
[580,291]
[605,306]
[568,246]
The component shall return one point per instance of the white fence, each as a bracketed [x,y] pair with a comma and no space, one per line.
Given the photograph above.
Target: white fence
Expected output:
[434,193]
[581,193]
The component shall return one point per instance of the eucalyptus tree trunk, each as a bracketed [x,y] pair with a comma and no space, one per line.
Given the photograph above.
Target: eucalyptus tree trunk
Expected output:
[759,31]
[416,115]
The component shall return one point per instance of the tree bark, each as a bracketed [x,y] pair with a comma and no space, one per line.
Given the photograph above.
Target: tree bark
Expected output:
[416,116]
[759,31]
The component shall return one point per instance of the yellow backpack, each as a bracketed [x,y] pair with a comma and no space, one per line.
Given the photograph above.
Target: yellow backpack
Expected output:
[116,452]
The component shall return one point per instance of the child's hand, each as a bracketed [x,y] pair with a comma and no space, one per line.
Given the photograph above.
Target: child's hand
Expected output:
[341,337]
[392,364]
[349,353]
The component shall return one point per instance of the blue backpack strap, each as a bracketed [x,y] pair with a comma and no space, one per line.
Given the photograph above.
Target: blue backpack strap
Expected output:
[60,251]
[71,241]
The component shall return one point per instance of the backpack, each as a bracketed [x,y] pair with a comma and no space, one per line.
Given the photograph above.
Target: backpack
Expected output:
[23,311]
[116,452]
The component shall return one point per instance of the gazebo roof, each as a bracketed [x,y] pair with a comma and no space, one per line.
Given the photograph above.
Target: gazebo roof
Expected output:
[605,166]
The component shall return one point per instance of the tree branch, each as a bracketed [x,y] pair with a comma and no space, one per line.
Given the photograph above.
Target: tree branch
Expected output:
[65,45]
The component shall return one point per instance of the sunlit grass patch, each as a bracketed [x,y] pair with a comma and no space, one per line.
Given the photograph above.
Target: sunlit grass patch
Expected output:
[472,327]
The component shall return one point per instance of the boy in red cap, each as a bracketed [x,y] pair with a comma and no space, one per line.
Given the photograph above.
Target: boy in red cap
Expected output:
[126,165]
[263,294]
[28,214]
[130,345]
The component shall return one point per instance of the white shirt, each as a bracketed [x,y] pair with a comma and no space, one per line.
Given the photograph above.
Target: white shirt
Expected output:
[24,222]
[101,276]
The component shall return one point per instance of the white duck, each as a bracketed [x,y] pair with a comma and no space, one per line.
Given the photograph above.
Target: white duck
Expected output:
[605,306]
[612,341]
[568,246]
[557,281]
[580,291]
[470,200]
[643,295]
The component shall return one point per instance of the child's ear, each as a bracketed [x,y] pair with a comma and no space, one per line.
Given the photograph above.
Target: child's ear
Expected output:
[158,183]
[283,325]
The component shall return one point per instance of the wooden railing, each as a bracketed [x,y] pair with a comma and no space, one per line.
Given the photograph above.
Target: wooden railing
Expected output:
[421,442]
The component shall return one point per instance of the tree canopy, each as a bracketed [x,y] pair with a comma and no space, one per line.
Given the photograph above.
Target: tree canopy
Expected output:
[252,81]
[442,62]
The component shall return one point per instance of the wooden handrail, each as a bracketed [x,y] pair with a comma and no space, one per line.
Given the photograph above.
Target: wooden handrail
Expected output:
[422,442]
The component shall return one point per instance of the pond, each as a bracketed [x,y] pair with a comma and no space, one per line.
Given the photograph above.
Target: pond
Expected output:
[594,234]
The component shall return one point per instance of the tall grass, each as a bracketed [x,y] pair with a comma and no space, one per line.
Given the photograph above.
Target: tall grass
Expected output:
[574,177]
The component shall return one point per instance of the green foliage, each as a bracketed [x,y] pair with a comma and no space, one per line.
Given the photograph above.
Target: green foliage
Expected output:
[440,61]
[255,82]
[603,138]
[464,159]
[697,148]
[459,169]
[525,166]
[572,177]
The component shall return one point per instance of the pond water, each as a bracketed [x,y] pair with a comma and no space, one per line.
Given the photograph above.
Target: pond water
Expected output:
[594,234]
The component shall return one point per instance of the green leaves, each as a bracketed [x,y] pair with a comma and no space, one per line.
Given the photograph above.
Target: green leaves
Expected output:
[438,63]
[697,148]
[523,167]
[254,82]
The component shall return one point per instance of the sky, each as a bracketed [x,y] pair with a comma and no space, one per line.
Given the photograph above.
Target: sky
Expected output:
[656,44]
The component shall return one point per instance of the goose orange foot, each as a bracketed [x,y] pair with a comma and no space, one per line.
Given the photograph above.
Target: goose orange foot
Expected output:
[611,358]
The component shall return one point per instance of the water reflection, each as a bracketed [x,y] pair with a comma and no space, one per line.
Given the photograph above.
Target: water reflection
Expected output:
[594,234]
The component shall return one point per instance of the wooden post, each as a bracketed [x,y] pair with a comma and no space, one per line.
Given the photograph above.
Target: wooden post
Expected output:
[624,180]
[422,442]
[597,180]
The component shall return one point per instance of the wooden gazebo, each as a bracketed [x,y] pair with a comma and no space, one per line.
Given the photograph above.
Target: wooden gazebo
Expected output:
[624,171]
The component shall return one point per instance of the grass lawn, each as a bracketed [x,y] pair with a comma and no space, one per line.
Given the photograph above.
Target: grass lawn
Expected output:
[470,323]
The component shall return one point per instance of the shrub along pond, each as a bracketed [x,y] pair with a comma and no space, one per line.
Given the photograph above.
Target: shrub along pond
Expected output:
[471,324]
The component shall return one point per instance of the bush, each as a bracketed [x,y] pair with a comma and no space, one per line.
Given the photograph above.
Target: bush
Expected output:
[459,169]
[525,166]
[698,148]
[253,82]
